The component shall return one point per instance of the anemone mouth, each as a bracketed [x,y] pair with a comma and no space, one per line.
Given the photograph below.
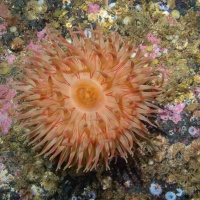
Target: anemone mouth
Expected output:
[87,95]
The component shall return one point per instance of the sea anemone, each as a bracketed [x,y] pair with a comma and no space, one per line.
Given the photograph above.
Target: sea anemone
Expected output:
[87,101]
[170,196]
[155,189]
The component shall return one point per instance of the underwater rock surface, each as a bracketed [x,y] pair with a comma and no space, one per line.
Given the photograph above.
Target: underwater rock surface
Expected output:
[165,167]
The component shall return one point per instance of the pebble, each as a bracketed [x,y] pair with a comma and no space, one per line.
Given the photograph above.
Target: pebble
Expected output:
[4,68]
[112,5]
[13,29]
[175,14]
[17,44]
[126,20]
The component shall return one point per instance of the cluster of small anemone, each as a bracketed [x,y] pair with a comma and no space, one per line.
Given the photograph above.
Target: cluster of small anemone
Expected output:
[156,190]
[86,102]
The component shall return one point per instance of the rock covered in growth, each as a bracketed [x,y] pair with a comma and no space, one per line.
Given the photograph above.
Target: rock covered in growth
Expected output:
[6,107]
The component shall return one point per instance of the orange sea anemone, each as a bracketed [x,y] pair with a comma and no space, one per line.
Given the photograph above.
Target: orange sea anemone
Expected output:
[86,101]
